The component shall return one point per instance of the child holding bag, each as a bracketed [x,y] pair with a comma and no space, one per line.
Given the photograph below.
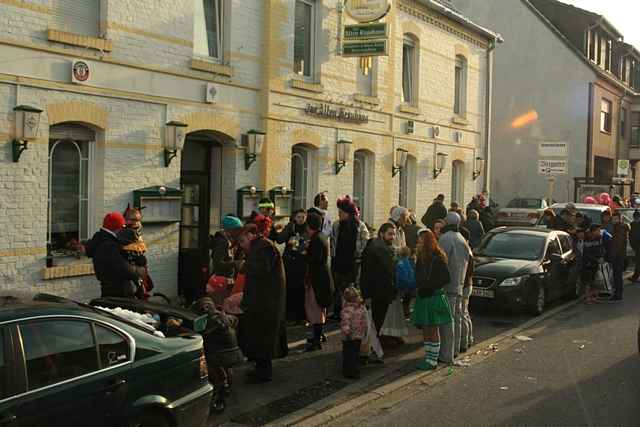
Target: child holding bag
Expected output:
[431,309]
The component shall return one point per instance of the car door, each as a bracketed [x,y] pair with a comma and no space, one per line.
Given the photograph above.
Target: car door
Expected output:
[571,261]
[556,269]
[67,382]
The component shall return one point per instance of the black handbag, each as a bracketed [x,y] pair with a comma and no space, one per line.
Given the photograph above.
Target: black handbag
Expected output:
[432,283]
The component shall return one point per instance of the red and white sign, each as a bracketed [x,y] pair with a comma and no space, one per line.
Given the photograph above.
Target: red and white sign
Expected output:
[80,72]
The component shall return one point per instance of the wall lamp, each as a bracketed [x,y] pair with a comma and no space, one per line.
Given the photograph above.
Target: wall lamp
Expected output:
[441,159]
[400,161]
[478,167]
[343,151]
[27,123]
[174,140]
[254,140]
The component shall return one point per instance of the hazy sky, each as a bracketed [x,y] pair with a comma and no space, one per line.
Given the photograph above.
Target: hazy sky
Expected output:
[623,14]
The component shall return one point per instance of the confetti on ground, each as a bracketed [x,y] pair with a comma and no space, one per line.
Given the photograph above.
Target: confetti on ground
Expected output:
[581,347]
[450,372]
[504,388]
[519,350]
[523,338]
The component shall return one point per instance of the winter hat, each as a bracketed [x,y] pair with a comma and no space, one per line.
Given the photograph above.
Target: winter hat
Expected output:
[113,221]
[452,218]
[397,212]
[314,221]
[230,222]
[347,205]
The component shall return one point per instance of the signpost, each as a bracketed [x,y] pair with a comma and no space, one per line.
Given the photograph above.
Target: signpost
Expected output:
[552,167]
[365,48]
[623,167]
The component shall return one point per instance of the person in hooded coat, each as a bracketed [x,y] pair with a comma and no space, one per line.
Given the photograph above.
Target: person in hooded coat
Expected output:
[436,211]
[263,302]
[458,255]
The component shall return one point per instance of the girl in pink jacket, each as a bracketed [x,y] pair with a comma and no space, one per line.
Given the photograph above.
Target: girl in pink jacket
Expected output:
[354,328]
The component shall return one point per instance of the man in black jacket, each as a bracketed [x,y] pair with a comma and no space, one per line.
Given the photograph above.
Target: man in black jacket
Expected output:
[112,270]
[435,212]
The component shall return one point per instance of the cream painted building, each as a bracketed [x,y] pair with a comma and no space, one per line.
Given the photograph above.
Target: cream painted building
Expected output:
[223,68]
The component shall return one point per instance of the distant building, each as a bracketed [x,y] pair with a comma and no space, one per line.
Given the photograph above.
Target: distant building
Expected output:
[564,74]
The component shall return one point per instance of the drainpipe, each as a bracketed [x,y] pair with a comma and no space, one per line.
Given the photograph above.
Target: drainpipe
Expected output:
[486,185]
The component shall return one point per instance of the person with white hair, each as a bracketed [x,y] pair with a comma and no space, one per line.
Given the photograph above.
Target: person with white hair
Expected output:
[458,254]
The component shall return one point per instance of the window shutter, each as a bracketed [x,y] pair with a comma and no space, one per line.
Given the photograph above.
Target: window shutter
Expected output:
[76,16]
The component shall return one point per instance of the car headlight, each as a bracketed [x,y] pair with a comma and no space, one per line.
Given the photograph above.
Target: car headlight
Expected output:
[514,281]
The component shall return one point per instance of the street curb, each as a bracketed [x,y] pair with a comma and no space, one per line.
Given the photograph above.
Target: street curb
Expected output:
[318,414]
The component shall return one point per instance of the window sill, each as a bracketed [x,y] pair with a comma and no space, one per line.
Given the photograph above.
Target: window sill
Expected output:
[63,271]
[409,109]
[79,40]
[606,132]
[211,67]
[308,86]
[371,100]
[460,121]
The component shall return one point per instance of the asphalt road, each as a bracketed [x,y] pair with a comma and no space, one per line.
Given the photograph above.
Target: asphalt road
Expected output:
[582,368]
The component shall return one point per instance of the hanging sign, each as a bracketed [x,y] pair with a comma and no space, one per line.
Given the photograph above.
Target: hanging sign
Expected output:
[623,167]
[365,48]
[367,10]
[365,31]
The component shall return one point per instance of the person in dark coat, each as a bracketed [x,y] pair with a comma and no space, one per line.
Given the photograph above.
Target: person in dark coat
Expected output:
[221,243]
[319,292]
[411,232]
[435,212]
[112,270]
[634,240]
[264,300]
[294,236]
[378,269]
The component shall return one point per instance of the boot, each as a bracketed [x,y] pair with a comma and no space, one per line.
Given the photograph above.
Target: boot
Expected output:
[430,362]
[315,343]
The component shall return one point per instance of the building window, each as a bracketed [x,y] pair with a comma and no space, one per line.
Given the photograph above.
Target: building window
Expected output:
[460,97]
[635,129]
[409,68]
[607,53]
[304,38]
[592,45]
[303,175]
[408,184]
[76,16]
[603,168]
[365,84]
[208,28]
[69,184]
[363,162]
[457,182]
[605,116]
[623,123]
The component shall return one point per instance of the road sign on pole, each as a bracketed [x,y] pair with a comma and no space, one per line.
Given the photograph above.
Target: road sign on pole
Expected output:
[552,167]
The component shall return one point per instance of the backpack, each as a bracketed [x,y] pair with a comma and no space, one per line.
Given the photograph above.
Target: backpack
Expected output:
[405,275]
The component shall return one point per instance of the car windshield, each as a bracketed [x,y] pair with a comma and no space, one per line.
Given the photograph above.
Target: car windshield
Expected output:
[594,215]
[525,204]
[513,246]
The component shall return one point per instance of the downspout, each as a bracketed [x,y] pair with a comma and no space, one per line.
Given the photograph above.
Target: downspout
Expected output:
[486,185]
[589,132]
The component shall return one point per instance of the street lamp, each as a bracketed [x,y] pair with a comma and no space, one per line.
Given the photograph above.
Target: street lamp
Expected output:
[400,161]
[343,151]
[254,142]
[478,167]
[441,159]
[27,123]
[174,140]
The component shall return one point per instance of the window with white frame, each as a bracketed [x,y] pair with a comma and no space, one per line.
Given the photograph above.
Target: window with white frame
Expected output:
[304,37]
[75,16]
[303,175]
[70,149]
[409,62]
[605,116]
[408,184]
[457,182]
[208,28]
[460,96]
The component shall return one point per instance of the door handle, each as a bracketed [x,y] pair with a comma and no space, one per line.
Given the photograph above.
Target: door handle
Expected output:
[7,419]
[114,386]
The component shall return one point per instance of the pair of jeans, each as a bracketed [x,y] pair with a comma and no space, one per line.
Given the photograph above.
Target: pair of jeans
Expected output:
[467,325]
[618,281]
[351,358]
[450,334]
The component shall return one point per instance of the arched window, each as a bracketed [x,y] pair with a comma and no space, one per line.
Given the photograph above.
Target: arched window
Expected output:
[457,182]
[408,184]
[363,162]
[460,96]
[410,67]
[303,175]
[70,149]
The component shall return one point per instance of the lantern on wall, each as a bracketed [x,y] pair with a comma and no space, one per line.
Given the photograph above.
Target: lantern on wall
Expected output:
[254,142]
[174,140]
[27,124]
[478,167]
[400,161]
[441,161]
[343,151]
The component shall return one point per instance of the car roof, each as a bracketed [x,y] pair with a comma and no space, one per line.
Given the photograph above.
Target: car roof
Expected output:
[14,306]
[584,206]
[527,231]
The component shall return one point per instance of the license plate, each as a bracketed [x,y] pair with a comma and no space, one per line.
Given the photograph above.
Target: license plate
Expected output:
[483,293]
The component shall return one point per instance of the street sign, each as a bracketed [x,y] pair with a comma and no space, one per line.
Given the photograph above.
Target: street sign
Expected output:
[553,149]
[365,48]
[365,31]
[367,10]
[552,167]
[623,167]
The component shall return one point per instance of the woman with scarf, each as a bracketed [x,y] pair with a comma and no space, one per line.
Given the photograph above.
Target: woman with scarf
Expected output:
[294,236]
[263,303]
[349,237]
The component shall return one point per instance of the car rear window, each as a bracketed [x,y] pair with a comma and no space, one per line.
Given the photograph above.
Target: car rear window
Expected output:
[513,246]
[525,204]
[594,215]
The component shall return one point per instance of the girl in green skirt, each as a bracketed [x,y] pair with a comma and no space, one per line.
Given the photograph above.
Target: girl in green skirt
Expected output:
[431,309]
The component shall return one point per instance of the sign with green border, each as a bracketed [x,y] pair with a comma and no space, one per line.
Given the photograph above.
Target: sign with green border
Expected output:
[365,48]
[365,31]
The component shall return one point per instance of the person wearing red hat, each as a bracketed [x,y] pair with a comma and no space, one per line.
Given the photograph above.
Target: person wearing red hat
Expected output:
[112,270]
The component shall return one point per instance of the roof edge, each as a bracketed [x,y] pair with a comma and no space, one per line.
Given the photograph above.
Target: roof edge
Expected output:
[461,19]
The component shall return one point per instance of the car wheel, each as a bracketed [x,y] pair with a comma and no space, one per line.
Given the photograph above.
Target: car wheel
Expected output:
[151,419]
[537,300]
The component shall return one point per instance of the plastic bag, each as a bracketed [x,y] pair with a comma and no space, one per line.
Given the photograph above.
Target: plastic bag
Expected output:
[604,277]
[371,341]
[394,324]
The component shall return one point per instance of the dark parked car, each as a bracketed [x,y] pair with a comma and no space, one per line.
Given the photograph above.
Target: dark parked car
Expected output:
[64,363]
[525,268]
